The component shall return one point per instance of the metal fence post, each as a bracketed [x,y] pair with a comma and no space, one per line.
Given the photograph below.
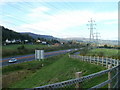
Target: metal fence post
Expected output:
[109,77]
[78,75]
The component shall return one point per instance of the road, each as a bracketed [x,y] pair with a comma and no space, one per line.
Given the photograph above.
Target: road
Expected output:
[31,57]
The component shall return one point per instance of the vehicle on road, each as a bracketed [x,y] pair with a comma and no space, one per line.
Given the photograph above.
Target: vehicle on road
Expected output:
[12,60]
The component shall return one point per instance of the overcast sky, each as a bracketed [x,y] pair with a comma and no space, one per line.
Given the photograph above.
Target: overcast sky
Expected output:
[61,19]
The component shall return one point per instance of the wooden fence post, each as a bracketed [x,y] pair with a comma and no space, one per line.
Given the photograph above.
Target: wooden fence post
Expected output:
[94,59]
[118,76]
[97,60]
[87,59]
[69,55]
[109,77]
[82,58]
[111,61]
[106,61]
[90,59]
[78,75]
[114,62]
[102,61]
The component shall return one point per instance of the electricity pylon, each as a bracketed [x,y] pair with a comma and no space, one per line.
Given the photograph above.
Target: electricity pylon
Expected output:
[91,27]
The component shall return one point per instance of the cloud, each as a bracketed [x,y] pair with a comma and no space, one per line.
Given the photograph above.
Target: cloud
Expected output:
[63,20]
[62,23]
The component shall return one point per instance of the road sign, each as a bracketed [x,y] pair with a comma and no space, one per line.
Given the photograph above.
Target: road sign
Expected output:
[39,54]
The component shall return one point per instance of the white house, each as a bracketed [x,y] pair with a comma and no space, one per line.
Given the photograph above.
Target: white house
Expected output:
[7,41]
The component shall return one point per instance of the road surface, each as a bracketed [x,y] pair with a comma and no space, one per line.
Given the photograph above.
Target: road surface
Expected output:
[31,57]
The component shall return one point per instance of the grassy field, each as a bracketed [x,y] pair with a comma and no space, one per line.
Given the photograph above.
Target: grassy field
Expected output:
[112,53]
[15,50]
[14,47]
[54,70]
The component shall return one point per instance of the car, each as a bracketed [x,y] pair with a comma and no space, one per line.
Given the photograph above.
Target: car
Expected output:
[12,60]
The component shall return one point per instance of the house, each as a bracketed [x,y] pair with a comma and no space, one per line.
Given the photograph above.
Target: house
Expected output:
[13,41]
[38,41]
[56,44]
[43,42]
[7,41]
[26,40]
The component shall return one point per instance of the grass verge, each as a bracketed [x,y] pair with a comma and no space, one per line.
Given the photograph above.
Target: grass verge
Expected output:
[62,68]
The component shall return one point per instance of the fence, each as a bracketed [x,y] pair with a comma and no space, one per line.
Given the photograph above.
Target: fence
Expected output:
[113,71]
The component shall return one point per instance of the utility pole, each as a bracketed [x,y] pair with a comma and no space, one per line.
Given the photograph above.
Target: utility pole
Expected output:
[91,27]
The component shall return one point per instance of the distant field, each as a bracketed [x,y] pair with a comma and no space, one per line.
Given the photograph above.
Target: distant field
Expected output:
[13,50]
[14,47]
[55,69]
[113,53]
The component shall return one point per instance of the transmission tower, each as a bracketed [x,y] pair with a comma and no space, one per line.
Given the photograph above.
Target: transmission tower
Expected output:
[97,35]
[91,27]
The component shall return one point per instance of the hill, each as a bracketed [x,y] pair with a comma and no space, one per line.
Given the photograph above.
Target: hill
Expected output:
[36,36]
[11,35]
[80,39]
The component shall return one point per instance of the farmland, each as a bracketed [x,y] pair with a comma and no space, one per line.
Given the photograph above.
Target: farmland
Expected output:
[112,53]
[15,50]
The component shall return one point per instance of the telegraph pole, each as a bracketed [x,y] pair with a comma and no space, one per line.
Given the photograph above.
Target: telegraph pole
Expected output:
[91,27]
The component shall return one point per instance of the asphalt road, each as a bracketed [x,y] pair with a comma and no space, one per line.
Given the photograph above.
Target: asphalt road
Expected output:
[31,57]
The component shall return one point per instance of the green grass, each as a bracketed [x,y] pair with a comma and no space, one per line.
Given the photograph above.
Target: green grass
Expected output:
[15,50]
[12,50]
[14,47]
[113,53]
[16,72]
[61,69]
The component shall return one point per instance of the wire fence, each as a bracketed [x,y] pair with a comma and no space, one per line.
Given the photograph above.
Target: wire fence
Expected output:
[109,78]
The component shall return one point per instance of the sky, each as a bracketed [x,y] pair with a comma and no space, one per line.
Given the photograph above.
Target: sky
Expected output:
[62,19]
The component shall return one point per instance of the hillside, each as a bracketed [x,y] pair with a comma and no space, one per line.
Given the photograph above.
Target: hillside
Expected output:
[11,35]
[80,39]
[36,36]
